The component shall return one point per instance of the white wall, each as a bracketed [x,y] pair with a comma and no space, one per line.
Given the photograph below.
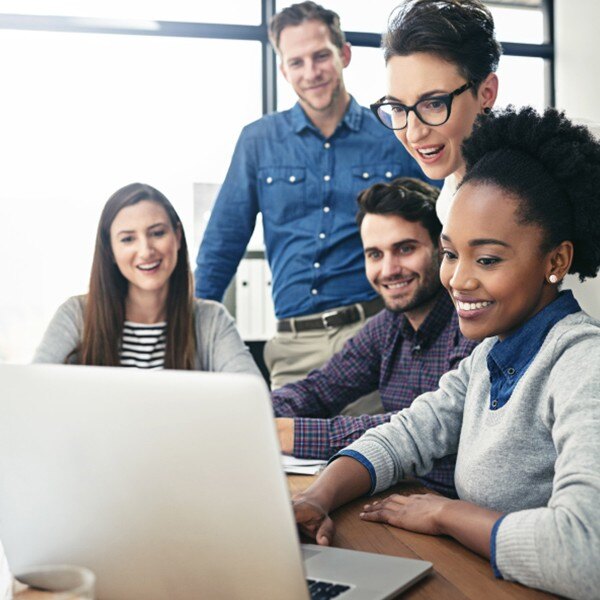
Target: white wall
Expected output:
[577,70]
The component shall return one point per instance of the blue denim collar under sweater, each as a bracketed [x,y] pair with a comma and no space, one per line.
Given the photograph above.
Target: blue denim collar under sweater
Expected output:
[508,360]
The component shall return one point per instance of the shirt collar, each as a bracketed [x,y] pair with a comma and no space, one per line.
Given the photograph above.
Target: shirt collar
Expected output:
[435,322]
[519,348]
[352,118]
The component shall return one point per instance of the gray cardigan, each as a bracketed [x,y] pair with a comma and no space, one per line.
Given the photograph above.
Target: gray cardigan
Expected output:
[219,345]
[537,458]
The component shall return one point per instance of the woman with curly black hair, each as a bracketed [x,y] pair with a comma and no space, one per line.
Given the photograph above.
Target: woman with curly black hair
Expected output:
[523,411]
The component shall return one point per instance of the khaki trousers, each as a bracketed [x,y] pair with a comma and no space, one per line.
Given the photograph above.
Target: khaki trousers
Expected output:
[291,356]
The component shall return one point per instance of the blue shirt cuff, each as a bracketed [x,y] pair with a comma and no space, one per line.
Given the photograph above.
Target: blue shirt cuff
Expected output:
[363,461]
[493,548]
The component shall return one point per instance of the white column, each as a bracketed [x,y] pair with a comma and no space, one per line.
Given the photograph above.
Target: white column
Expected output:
[577,72]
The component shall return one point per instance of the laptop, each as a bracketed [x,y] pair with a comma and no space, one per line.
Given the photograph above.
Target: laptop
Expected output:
[168,485]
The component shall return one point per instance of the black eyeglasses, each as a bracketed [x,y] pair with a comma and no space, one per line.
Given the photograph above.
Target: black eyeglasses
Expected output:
[433,111]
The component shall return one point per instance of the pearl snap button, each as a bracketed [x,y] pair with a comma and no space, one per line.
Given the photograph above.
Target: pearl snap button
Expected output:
[292,178]
[388,174]
[326,209]
[322,236]
[365,175]
[269,180]
[327,177]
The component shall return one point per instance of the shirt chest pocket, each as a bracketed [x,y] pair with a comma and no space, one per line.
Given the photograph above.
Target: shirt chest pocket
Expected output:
[364,176]
[282,193]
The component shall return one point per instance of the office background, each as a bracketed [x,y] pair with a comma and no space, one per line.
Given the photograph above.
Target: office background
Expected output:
[97,94]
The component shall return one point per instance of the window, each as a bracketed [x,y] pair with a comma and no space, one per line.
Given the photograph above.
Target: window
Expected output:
[522,78]
[522,82]
[523,25]
[232,11]
[515,21]
[85,114]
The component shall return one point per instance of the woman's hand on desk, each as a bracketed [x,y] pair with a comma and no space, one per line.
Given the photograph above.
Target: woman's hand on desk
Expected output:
[418,512]
[468,523]
[343,480]
[313,520]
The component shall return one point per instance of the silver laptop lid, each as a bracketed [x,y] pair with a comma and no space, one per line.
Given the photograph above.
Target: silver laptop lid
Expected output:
[118,470]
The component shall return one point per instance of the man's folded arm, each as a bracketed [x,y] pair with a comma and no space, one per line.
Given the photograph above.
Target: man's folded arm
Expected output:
[322,438]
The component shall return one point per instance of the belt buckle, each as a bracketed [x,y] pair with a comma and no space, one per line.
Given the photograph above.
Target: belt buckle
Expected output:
[327,315]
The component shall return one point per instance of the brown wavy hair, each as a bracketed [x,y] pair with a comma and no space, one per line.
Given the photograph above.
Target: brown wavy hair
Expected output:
[105,307]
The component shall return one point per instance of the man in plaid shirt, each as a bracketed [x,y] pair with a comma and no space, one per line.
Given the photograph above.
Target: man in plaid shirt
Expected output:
[402,351]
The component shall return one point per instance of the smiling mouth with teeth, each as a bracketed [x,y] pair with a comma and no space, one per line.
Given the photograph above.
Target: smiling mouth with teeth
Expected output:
[429,152]
[396,285]
[149,267]
[472,305]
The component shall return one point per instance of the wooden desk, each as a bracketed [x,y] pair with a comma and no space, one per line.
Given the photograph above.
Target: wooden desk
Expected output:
[458,573]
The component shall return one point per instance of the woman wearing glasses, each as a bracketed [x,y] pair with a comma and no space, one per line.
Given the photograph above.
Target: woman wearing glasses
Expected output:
[140,311]
[522,413]
[441,57]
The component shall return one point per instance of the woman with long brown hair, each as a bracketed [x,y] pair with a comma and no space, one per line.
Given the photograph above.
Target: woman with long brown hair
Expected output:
[140,310]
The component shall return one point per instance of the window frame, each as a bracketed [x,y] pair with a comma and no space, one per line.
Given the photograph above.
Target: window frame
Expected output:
[260,33]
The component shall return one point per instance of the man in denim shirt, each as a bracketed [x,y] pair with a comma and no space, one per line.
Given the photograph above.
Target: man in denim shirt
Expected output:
[303,169]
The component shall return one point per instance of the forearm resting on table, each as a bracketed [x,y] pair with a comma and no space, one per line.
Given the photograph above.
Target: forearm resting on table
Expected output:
[285,432]
[342,481]
[469,524]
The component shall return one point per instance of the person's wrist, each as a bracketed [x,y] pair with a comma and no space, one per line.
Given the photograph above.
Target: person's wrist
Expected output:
[445,516]
[292,435]
[285,431]
[314,498]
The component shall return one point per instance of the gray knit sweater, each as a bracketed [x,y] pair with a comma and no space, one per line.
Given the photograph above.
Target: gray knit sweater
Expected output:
[537,458]
[219,346]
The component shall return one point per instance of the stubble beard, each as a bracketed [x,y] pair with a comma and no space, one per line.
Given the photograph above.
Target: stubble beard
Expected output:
[335,94]
[426,291]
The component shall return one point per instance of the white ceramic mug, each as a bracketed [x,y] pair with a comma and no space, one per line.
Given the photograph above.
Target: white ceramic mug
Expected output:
[54,582]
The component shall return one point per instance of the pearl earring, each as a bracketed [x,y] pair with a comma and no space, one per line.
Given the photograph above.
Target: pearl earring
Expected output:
[553,278]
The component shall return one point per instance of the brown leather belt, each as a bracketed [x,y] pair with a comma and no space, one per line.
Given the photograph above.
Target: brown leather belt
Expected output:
[338,317]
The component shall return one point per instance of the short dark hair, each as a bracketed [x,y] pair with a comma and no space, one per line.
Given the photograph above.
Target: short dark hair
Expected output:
[296,14]
[406,197]
[458,31]
[551,167]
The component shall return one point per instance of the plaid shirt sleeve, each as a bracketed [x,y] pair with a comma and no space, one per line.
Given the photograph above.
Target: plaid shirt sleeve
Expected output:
[322,438]
[348,375]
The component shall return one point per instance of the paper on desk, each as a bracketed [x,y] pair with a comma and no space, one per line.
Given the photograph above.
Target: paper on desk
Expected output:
[301,466]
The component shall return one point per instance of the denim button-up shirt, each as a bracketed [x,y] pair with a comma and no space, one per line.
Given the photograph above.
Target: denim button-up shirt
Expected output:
[305,186]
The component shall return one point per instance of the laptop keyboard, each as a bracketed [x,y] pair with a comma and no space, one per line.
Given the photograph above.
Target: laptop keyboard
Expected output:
[323,590]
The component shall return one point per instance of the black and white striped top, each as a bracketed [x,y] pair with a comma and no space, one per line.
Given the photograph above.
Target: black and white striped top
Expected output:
[143,346]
